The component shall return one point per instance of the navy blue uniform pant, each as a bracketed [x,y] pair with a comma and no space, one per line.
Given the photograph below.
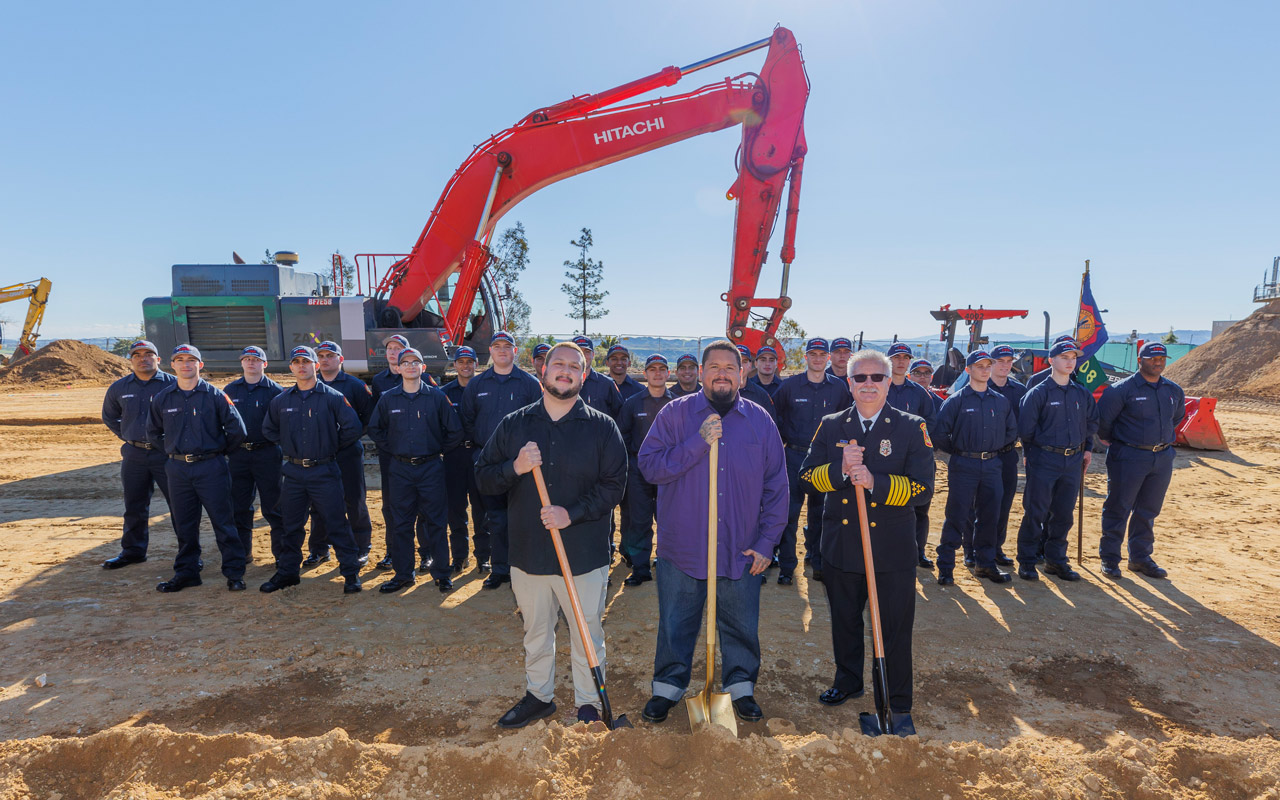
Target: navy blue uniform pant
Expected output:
[971,484]
[351,465]
[460,485]
[495,522]
[302,489]
[418,491]
[787,560]
[1136,483]
[204,484]
[922,528]
[420,525]
[641,503]
[256,470]
[847,595]
[141,471]
[1009,485]
[1053,485]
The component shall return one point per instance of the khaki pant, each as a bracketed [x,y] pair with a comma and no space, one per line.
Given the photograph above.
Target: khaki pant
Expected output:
[539,598]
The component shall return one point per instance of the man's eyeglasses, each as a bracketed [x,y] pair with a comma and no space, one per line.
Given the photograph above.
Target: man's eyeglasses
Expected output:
[860,378]
[921,373]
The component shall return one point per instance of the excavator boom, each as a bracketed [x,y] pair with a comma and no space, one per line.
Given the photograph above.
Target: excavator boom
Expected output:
[38,293]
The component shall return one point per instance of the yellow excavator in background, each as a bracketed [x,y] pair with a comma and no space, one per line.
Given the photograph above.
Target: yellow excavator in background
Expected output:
[38,293]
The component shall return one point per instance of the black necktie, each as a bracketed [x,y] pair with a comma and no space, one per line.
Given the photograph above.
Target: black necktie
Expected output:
[866,425]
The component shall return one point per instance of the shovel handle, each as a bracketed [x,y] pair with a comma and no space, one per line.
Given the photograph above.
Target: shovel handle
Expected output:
[712,535]
[587,644]
[877,638]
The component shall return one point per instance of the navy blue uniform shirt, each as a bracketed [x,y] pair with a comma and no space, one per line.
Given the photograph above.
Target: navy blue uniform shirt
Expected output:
[489,397]
[357,392]
[676,391]
[637,415]
[913,399]
[1013,391]
[313,424]
[975,422]
[454,391]
[1058,416]
[771,388]
[251,401]
[1135,411]
[202,420]
[601,393]
[415,425]
[387,380]
[127,407]
[760,397]
[801,405]
[1043,375]
[629,387]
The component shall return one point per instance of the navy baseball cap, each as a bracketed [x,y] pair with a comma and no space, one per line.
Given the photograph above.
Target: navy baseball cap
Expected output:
[745,351]
[255,351]
[585,342]
[541,350]
[656,358]
[187,350]
[397,338]
[461,352]
[1153,350]
[920,362]
[1063,347]
[817,344]
[898,349]
[1003,351]
[841,341]
[303,352]
[617,348]
[328,346]
[503,336]
[142,344]
[687,357]
[976,356]
[410,353]
[1066,337]
[768,348]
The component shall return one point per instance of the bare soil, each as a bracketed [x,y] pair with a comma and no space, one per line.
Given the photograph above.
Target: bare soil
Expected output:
[1135,689]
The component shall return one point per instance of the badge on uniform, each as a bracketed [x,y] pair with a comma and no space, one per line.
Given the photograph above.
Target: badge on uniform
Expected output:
[924,430]
[842,443]
[885,447]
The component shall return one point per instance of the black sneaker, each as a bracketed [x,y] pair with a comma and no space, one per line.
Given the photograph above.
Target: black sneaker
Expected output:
[527,710]
[588,714]
[656,709]
[1112,571]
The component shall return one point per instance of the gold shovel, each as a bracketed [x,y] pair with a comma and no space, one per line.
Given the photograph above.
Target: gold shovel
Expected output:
[708,707]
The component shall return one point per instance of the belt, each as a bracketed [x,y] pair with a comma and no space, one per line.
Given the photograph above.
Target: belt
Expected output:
[1150,448]
[141,445]
[1063,451]
[1008,448]
[192,458]
[255,445]
[415,460]
[983,456]
[804,449]
[309,462]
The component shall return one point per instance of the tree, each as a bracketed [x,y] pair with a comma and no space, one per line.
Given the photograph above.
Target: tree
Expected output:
[268,258]
[121,346]
[583,289]
[790,334]
[348,272]
[507,260]
[1170,337]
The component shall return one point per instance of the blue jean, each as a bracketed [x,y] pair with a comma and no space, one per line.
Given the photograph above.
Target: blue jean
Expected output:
[680,611]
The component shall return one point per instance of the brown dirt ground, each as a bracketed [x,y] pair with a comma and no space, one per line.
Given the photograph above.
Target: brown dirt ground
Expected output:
[1143,689]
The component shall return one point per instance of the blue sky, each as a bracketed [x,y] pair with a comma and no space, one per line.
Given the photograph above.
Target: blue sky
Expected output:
[964,153]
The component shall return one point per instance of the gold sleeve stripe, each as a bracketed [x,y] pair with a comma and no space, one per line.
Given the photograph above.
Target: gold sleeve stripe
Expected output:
[899,492]
[820,478]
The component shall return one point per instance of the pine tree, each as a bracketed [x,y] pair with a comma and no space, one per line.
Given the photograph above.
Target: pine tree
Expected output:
[509,259]
[583,289]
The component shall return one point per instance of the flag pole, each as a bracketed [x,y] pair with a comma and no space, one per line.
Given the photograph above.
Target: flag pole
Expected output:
[1083,468]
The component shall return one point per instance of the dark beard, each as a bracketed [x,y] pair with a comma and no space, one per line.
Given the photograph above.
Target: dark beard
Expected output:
[720,396]
[561,394]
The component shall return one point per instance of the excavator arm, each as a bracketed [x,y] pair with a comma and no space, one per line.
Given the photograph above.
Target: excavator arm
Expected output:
[590,131]
[38,293]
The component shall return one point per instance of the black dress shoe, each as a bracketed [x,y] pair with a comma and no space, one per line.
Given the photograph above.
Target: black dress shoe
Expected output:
[457,567]
[773,564]
[969,563]
[626,559]
[495,580]
[527,710]
[924,562]
[748,709]
[1063,571]
[444,584]
[235,585]
[363,559]
[1112,571]
[384,564]
[636,578]
[315,559]
[945,578]
[1147,568]
[817,575]
[992,574]
[1003,561]
[1029,573]
[425,565]
[353,585]
[785,580]
[277,582]
[656,709]
[395,585]
[485,568]
[834,696]
[116,562]
[177,584]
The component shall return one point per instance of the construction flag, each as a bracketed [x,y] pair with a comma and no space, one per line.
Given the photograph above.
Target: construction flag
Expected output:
[1091,335]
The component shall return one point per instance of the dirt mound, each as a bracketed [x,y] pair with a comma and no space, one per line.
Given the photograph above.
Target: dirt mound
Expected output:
[1244,360]
[65,361]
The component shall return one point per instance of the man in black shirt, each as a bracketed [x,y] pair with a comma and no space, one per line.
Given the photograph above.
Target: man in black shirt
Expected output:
[584,463]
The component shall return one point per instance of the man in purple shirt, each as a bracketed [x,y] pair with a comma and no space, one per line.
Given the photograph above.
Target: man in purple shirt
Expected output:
[752,502]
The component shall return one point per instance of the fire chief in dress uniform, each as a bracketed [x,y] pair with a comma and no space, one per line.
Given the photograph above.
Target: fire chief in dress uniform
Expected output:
[887,452]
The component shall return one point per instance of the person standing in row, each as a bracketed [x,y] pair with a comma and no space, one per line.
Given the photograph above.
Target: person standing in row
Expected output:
[909,396]
[598,391]
[751,492]
[1043,375]
[350,460]
[312,423]
[1056,424]
[686,376]
[195,425]
[921,374]
[754,392]
[584,464]
[638,413]
[389,378]
[416,425]
[1138,420]
[973,425]
[841,350]
[126,411]
[618,359]
[255,464]
[801,403]
[886,452]
[1002,358]
[540,358]
[766,376]
[460,475]
[490,396]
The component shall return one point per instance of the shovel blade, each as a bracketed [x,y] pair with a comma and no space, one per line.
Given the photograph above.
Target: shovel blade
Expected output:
[900,724]
[711,708]
[870,724]
[621,722]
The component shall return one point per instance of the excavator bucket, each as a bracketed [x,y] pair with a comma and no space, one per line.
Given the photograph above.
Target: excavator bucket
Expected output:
[1200,428]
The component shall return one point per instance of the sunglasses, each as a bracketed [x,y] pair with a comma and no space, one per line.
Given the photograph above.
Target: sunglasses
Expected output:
[860,378]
